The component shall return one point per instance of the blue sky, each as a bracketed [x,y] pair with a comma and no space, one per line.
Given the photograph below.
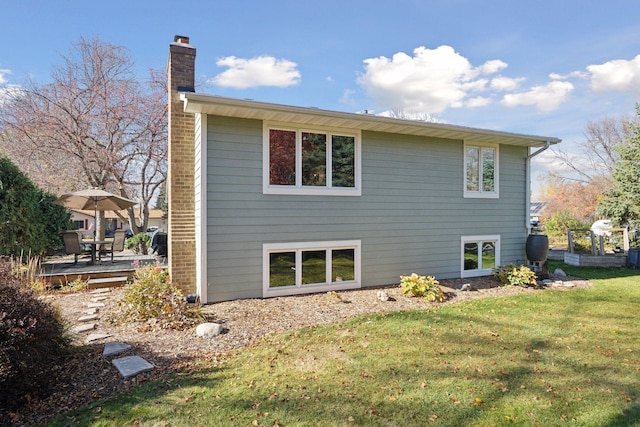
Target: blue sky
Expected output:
[533,67]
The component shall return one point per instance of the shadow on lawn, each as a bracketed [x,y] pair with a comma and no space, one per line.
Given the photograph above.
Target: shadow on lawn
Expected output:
[593,273]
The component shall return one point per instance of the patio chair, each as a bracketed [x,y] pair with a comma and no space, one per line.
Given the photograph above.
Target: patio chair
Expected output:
[73,244]
[116,246]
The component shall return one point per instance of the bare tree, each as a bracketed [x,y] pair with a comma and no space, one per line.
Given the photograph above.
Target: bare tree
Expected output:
[51,171]
[100,119]
[399,113]
[596,156]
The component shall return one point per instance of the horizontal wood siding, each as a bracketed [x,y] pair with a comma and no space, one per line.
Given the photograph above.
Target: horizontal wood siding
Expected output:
[410,217]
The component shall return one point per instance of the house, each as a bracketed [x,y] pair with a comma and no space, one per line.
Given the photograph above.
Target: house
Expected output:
[272,200]
[84,220]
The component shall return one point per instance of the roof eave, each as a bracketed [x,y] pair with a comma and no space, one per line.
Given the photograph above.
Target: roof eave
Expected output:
[249,109]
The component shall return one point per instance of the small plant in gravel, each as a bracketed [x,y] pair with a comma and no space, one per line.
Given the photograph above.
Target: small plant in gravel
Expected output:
[75,286]
[33,341]
[422,286]
[152,299]
[514,275]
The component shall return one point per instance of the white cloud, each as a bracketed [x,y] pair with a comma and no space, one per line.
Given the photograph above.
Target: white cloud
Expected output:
[478,101]
[430,81]
[3,74]
[576,74]
[7,90]
[618,75]
[254,72]
[492,66]
[505,84]
[347,97]
[544,98]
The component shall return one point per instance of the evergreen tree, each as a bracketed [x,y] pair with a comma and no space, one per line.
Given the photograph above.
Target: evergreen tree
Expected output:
[622,203]
[29,221]
[161,201]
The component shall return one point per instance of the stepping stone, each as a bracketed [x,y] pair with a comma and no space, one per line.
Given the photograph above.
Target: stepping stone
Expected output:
[100,291]
[90,311]
[95,305]
[97,336]
[88,318]
[83,328]
[115,347]
[98,299]
[131,365]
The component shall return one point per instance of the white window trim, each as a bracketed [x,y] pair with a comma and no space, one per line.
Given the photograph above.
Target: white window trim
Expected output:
[298,189]
[298,247]
[477,239]
[496,172]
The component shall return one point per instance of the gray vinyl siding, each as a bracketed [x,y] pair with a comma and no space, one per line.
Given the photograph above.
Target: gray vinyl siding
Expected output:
[410,217]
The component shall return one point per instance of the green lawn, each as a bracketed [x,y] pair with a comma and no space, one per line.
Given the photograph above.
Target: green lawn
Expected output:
[549,358]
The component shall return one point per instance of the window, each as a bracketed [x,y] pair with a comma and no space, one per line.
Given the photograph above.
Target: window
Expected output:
[481,170]
[480,255]
[79,224]
[302,161]
[296,268]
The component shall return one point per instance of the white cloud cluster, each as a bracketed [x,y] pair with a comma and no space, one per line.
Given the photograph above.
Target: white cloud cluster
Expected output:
[618,76]
[255,72]
[431,80]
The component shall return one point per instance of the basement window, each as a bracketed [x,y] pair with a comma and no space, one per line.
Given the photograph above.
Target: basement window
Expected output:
[305,267]
[480,255]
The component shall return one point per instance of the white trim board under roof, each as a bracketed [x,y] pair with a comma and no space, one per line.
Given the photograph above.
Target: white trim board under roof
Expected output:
[249,109]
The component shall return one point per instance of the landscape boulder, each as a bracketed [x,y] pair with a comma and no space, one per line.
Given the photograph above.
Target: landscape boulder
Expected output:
[208,330]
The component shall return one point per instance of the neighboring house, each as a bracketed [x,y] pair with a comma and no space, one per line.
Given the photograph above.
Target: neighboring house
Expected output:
[536,212]
[85,220]
[289,200]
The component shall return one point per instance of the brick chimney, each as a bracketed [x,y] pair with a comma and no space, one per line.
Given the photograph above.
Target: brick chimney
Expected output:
[180,179]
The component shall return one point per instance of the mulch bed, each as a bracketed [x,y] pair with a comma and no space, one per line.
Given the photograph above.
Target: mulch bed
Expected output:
[86,375]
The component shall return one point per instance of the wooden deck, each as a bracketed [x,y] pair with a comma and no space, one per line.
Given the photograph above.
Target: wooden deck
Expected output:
[61,270]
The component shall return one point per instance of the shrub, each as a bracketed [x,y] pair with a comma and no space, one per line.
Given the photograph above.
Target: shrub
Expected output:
[557,224]
[139,243]
[33,339]
[152,299]
[421,286]
[513,275]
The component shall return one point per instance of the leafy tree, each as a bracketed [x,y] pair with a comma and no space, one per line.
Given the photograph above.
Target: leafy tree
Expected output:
[622,203]
[29,221]
[578,200]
